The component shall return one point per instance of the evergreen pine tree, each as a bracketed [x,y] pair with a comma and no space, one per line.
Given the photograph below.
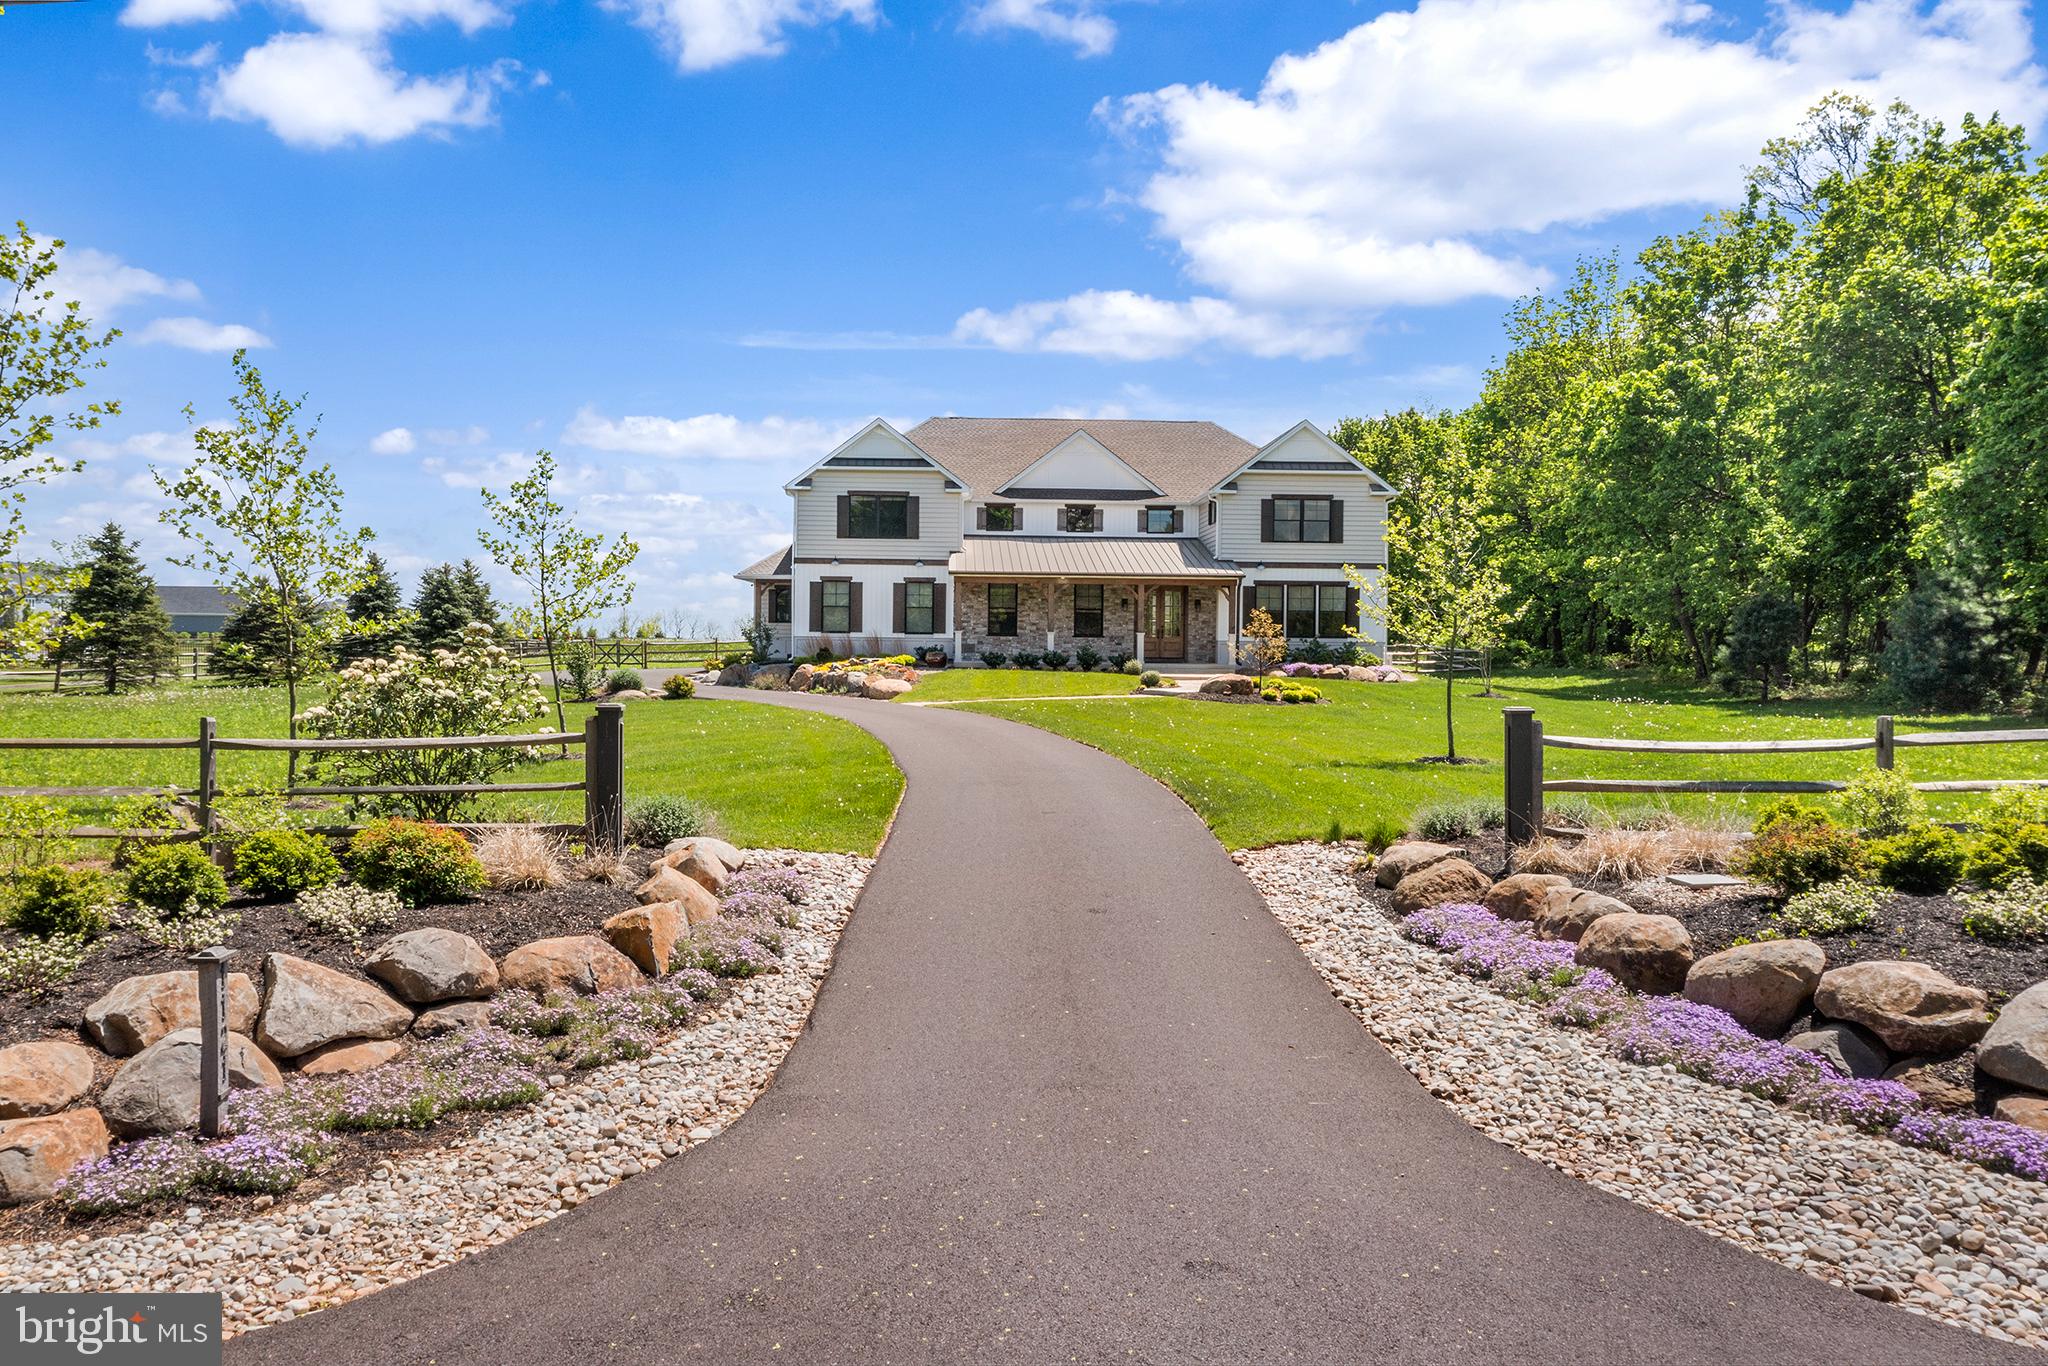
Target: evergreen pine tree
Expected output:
[127,640]
[251,648]
[438,611]
[1945,652]
[476,594]
[377,600]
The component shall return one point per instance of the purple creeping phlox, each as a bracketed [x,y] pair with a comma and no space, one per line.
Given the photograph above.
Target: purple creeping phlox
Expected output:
[786,883]
[764,905]
[1704,1042]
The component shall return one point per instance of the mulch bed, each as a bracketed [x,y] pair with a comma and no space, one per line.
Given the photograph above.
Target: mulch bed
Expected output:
[500,921]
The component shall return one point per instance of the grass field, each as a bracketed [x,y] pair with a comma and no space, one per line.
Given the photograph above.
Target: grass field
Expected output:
[1261,775]
[776,777]
[954,685]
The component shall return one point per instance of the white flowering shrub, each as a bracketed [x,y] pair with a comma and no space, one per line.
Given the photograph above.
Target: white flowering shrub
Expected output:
[348,911]
[184,933]
[34,966]
[478,688]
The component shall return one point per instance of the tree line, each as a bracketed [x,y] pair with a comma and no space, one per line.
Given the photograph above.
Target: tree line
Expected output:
[1805,437]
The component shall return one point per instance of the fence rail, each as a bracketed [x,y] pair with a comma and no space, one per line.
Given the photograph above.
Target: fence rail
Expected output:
[633,652]
[1526,781]
[602,784]
[1433,659]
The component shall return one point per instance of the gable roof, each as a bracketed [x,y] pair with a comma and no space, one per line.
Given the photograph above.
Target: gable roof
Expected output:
[838,455]
[1333,459]
[775,565]
[1182,460]
[196,600]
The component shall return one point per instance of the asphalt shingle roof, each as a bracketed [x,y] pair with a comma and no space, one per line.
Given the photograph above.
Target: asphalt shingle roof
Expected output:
[1182,459]
[774,566]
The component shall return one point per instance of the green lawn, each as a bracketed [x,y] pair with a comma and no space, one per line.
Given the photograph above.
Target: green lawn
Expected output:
[1261,775]
[951,685]
[776,777]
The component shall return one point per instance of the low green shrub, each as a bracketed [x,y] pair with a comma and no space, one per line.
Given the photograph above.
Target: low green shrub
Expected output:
[2001,853]
[1054,659]
[677,687]
[1925,860]
[1457,820]
[423,863]
[994,658]
[1149,679]
[1798,855]
[1788,811]
[1116,661]
[1831,908]
[275,864]
[1882,802]
[55,900]
[623,680]
[176,880]
[654,821]
[1025,659]
[1131,667]
[2016,912]
[1087,656]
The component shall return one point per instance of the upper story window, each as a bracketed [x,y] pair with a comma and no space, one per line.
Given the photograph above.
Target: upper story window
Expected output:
[838,604]
[877,516]
[778,603]
[999,517]
[1212,512]
[1002,609]
[1080,517]
[1161,521]
[917,609]
[1301,519]
[1088,609]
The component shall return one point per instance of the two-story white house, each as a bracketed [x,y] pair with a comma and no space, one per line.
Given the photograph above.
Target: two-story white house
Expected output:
[1156,540]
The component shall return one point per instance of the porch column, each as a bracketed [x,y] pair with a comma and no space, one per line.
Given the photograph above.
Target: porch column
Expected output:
[1138,592]
[955,597]
[1225,656]
[1051,599]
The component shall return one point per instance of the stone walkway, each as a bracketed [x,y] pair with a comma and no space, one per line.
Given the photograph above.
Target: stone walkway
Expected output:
[1071,1093]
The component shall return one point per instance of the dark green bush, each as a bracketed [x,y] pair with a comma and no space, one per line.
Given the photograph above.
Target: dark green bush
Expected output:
[1054,659]
[276,864]
[1925,860]
[1789,811]
[1798,855]
[1087,656]
[654,821]
[422,863]
[2003,852]
[53,899]
[623,680]
[175,880]
[1945,651]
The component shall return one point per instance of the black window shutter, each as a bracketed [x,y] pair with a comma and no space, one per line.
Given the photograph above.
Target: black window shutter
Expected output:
[981,518]
[1351,606]
[896,611]
[1265,519]
[1336,519]
[1179,516]
[1098,519]
[910,520]
[941,623]
[1249,600]
[817,604]
[853,613]
[845,516]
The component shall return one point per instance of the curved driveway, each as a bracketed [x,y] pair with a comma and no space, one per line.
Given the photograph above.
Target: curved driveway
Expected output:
[1071,1094]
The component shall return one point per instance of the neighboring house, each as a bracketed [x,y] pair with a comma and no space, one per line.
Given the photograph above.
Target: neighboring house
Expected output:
[196,611]
[1152,539]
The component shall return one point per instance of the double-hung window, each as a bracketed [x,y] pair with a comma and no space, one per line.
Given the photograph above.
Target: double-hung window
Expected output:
[778,603]
[1080,517]
[1330,616]
[1301,610]
[838,601]
[1271,598]
[1301,519]
[999,517]
[917,609]
[1088,609]
[1002,609]
[878,516]
[1159,521]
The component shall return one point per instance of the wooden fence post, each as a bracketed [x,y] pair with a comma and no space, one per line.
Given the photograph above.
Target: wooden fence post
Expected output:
[208,763]
[213,1035]
[604,779]
[1884,742]
[1524,776]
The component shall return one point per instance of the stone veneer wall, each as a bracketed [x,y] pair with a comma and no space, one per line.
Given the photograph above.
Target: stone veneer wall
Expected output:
[1119,606]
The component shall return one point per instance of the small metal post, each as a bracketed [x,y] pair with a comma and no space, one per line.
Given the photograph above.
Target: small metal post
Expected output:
[1884,742]
[208,762]
[1524,776]
[213,1035]
[604,779]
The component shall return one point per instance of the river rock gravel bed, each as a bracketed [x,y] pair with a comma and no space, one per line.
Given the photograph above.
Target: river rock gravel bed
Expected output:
[1942,1237]
[425,1208]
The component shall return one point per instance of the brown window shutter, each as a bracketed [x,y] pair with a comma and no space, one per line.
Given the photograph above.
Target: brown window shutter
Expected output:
[910,521]
[1098,519]
[1265,519]
[845,516]
[853,615]
[941,623]
[896,611]
[1351,606]
[817,604]
[1336,519]
[981,518]
[1179,520]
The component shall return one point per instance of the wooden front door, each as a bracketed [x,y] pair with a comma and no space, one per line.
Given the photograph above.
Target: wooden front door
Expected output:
[1166,626]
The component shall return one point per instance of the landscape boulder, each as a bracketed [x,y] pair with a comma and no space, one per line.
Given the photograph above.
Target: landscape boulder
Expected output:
[731,855]
[778,675]
[1912,1007]
[800,678]
[1566,914]
[306,1005]
[575,962]
[36,1153]
[1399,860]
[157,1090]
[828,680]
[882,689]
[42,1077]
[1230,685]
[2015,1049]
[732,676]
[1853,1051]
[668,885]
[349,1056]
[2030,1111]
[647,934]
[702,867]
[1520,896]
[1441,883]
[454,1016]
[431,965]
[1649,953]
[1764,986]
[1941,1082]
[138,1011]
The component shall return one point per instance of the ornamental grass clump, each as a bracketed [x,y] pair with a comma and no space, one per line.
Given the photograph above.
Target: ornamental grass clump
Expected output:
[521,858]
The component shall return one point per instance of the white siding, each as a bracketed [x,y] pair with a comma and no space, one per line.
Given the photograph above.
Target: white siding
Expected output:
[1080,462]
[1118,519]
[817,515]
[1365,519]
[876,634]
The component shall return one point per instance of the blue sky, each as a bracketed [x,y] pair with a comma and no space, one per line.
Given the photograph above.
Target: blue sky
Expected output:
[686,244]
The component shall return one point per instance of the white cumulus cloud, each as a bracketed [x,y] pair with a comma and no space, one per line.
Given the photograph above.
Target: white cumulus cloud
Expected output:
[197,334]
[705,34]
[1118,324]
[102,282]
[157,13]
[322,90]
[396,441]
[716,436]
[1075,22]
